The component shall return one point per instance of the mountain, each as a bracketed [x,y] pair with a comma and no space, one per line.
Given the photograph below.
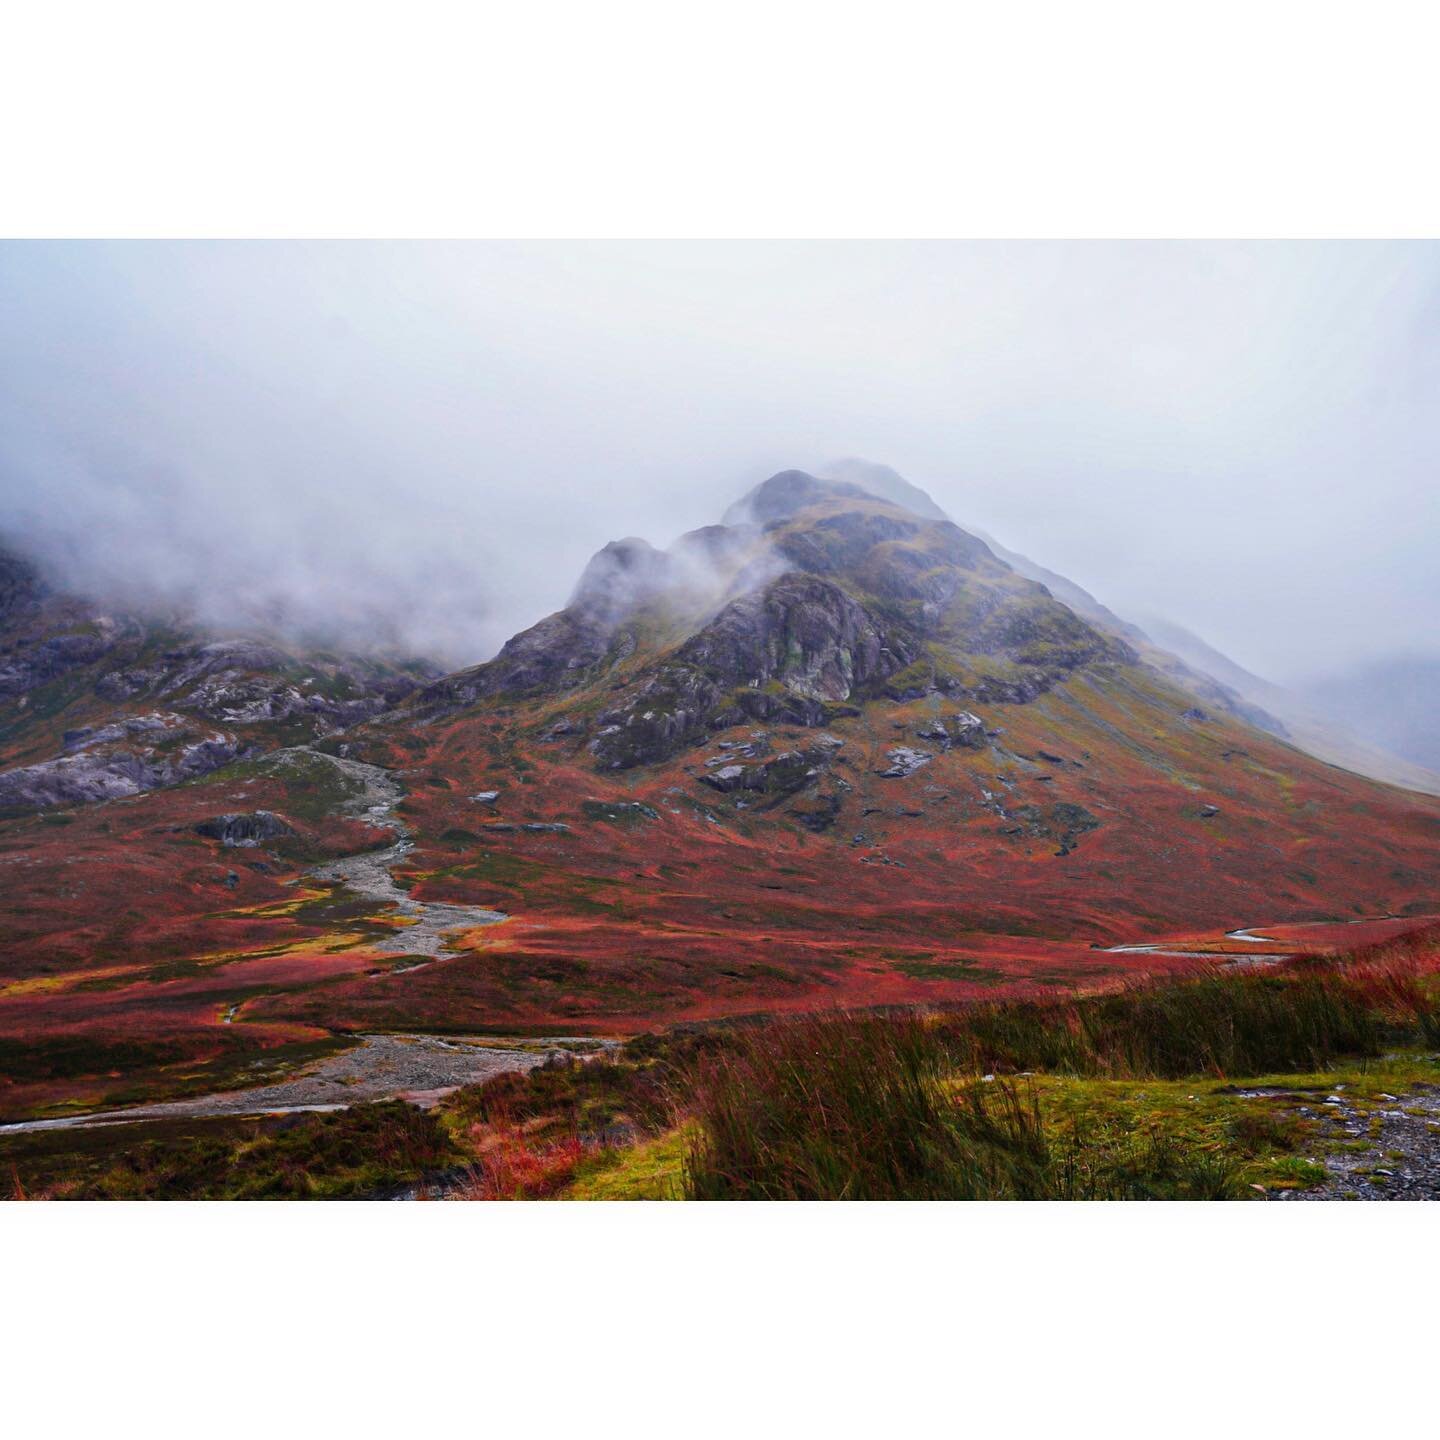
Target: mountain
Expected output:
[828,598]
[1375,719]
[96,704]
[832,751]
[1395,701]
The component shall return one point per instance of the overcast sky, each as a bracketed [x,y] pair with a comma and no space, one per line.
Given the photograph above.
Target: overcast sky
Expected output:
[434,438]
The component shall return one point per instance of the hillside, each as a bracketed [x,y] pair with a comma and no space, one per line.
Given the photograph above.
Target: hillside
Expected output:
[96,703]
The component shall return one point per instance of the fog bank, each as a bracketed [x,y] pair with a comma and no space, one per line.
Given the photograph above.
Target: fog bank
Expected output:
[422,445]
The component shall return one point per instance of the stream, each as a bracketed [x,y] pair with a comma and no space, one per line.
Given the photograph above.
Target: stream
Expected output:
[419,1068]
[369,873]
[380,1067]
[1229,960]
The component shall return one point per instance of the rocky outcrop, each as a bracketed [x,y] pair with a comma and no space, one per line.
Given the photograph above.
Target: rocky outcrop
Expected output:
[245,832]
[111,773]
[88,736]
[1064,822]
[779,775]
[46,633]
[962,729]
[788,651]
[202,702]
[561,652]
[803,632]
[788,771]
[903,761]
[670,710]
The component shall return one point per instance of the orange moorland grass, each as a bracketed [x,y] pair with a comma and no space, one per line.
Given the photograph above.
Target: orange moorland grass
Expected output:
[513,1167]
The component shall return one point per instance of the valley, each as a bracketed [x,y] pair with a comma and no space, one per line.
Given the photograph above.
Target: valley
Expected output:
[832,755]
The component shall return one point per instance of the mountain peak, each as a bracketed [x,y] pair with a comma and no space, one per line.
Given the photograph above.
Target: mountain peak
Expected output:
[621,575]
[782,495]
[887,484]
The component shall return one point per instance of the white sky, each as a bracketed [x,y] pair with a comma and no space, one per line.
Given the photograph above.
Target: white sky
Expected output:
[434,438]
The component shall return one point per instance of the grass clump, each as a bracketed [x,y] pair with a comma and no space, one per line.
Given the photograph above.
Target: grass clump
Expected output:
[868,1108]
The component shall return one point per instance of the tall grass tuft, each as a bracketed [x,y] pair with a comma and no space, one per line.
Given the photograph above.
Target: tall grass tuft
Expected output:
[853,1108]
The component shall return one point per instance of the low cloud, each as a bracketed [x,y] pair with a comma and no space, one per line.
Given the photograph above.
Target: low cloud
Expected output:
[420,446]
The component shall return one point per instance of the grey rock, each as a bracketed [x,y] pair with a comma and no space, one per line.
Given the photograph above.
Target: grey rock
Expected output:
[802,631]
[245,832]
[727,778]
[783,774]
[962,729]
[903,761]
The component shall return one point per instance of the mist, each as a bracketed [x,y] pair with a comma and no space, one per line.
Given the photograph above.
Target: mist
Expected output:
[419,446]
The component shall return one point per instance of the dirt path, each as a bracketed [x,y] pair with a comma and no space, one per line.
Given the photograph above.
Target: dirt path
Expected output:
[419,1068]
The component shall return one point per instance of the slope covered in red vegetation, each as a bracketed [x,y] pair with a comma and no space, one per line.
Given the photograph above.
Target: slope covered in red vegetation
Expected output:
[834,754]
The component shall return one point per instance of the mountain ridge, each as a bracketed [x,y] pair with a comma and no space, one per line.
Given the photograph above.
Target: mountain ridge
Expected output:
[97,702]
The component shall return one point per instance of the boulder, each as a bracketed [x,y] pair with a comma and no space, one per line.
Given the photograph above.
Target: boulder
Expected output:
[903,761]
[783,774]
[245,832]
[962,729]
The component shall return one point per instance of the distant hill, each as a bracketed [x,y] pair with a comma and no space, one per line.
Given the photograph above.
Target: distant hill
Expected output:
[1376,720]
[97,703]
[1394,701]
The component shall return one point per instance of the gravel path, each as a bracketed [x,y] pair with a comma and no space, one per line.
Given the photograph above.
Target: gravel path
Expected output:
[1402,1160]
[421,1068]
